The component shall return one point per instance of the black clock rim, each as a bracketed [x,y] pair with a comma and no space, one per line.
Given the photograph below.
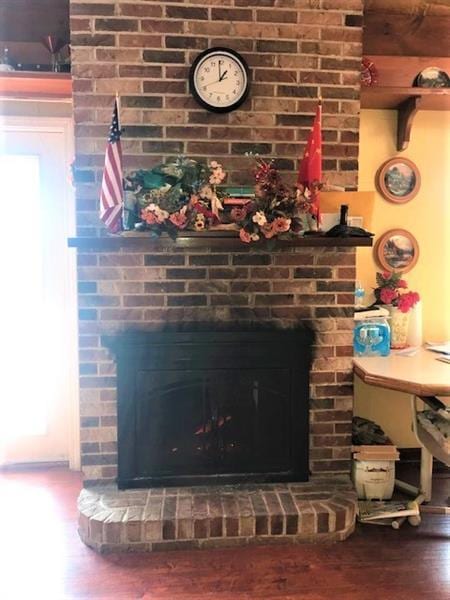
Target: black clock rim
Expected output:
[196,95]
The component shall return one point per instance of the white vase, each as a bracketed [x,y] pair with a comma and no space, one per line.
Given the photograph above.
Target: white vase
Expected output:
[399,324]
[415,334]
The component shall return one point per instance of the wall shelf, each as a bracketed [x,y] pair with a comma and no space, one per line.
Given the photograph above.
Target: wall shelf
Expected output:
[220,240]
[32,85]
[394,90]
[407,101]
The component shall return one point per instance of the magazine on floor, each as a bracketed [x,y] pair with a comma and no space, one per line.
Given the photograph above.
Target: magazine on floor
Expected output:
[370,510]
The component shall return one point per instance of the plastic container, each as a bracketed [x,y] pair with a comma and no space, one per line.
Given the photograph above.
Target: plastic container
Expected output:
[374,479]
[372,337]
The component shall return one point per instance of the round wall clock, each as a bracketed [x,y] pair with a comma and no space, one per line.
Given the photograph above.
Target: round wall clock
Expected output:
[219,79]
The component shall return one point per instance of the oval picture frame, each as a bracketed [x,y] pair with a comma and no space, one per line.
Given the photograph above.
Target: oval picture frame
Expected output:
[398,180]
[397,250]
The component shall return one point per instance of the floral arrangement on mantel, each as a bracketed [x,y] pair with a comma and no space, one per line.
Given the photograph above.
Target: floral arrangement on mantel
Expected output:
[183,194]
[392,291]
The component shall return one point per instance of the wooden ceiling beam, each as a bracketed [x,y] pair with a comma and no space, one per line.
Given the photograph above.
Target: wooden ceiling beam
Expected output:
[408,7]
[406,35]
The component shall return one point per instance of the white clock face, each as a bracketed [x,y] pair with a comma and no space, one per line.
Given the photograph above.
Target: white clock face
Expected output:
[220,79]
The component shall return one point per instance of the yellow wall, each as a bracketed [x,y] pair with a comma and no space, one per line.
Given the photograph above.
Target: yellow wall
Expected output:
[427,217]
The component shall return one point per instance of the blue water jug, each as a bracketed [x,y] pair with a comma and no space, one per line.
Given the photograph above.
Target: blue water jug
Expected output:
[372,337]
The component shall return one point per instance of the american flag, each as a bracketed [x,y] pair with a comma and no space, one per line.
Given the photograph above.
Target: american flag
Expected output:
[111,196]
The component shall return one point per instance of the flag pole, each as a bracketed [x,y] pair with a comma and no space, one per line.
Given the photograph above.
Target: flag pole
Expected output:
[118,107]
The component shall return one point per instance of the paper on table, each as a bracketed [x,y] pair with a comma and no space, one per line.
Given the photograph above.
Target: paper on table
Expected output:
[443,348]
[445,359]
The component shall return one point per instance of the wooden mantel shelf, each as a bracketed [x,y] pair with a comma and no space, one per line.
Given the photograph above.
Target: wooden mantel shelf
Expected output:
[28,85]
[221,240]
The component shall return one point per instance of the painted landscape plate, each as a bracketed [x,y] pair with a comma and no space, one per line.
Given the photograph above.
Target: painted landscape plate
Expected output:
[397,250]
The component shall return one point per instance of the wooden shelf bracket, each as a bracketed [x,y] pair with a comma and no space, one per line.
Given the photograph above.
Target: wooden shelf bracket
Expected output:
[406,112]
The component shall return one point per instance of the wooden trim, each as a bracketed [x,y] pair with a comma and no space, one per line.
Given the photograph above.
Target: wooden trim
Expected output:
[400,385]
[220,240]
[21,85]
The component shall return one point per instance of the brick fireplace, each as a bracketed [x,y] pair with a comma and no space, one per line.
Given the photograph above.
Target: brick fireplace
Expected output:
[135,284]
[155,283]
[296,50]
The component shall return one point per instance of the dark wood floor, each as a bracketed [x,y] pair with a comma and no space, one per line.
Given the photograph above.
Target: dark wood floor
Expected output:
[41,557]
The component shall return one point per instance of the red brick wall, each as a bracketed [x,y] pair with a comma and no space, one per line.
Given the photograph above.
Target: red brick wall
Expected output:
[296,49]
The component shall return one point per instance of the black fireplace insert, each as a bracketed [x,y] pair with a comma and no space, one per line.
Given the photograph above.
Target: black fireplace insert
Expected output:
[210,407]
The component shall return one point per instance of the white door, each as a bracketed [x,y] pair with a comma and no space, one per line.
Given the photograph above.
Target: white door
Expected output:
[37,303]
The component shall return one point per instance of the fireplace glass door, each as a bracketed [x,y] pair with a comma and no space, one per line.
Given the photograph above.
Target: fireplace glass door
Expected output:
[212,422]
[212,407]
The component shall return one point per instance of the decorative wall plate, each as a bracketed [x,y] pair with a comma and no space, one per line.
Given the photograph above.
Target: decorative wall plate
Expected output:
[398,180]
[397,250]
[432,77]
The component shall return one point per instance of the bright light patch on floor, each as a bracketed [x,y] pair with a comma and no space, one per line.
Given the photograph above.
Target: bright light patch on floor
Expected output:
[23,409]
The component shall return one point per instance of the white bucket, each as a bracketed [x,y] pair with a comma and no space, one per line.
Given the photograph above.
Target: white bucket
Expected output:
[374,479]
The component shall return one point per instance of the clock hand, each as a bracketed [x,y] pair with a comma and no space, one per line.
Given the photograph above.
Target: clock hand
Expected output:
[222,77]
[213,82]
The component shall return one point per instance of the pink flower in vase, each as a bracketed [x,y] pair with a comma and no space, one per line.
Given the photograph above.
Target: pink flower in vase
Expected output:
[387,295]
[407,301]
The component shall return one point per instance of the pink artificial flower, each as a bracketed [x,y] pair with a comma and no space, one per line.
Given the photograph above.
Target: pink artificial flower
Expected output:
[386,275]
[244,236]
[178,219]
[401,283]
[388,295]
[148,216]
[193,199]
[238,214]
[280,225]
[161,215]
[407,301]
[268,231]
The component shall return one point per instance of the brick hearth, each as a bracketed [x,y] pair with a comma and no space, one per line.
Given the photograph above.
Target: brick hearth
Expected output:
[211,516]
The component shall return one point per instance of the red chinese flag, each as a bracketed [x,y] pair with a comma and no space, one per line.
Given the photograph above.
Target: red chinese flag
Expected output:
[310,168]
